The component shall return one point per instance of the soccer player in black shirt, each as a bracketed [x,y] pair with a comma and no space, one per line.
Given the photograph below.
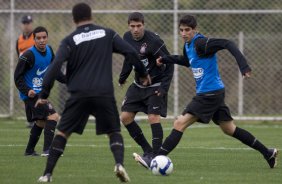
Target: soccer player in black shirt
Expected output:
[152,99]
[199,54]
[88,53]
[28,76]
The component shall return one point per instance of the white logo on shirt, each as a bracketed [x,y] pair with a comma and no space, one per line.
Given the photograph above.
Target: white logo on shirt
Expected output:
[38,72]
[145,62]
[91,35]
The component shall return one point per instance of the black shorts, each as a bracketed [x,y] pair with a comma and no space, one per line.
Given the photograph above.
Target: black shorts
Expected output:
[78,110]
[41,112]
[144,100]
[209,107]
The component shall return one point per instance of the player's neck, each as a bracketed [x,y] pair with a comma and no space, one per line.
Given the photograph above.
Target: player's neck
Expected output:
[83,23]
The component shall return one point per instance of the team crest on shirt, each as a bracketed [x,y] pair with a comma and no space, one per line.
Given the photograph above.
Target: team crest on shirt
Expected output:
[198,73]
[37,82]
[143,48]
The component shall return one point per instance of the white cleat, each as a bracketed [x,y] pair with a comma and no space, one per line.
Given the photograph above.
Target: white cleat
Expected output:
[121,173]
[142,160]
[45,179]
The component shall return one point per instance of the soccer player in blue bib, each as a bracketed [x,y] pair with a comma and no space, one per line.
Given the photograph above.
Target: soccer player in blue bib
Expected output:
[199,54]
[28,77]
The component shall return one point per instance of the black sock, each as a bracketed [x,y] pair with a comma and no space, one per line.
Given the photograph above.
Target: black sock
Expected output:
[35,133]
[49,131]
[248,139]
[136,133]
[170,142]
[117,147]
[56,150]
[157,136]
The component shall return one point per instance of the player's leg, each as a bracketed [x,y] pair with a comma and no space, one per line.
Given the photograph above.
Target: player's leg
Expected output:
[34,136]
[179,126]
[247,138]
[134,130]
[35,131]
[74,119]
[226,123]
[133,103]
[157,132]
[56,150]
[156,108]
[49,131]
[108,122]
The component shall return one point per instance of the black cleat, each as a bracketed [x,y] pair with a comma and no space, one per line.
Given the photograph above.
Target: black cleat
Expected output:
[34,154]
[272,157]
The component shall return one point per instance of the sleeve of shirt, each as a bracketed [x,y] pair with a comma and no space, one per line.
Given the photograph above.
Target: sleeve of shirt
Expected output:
[55,67]
[161,50]
[25,62]
[209,46]
[61,77]
[177,59]
[125,72]
[122,47]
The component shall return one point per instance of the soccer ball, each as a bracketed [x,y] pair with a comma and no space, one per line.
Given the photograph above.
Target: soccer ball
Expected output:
[161,165]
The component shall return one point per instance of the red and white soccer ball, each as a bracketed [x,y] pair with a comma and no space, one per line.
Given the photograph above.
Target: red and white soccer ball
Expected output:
[161,165]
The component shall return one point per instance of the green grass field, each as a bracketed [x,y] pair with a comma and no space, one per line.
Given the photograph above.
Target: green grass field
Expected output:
[205,155]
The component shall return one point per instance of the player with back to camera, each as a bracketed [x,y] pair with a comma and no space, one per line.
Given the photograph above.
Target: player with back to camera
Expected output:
[88,52]
[151,99]
[28,76]
[199,53]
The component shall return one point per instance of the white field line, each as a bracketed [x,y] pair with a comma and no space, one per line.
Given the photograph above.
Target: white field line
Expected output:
[131,146]
[193,126]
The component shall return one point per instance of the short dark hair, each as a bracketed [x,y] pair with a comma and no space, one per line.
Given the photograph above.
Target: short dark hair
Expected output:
[188,20]
[81,12]
[136,16]
[39,29]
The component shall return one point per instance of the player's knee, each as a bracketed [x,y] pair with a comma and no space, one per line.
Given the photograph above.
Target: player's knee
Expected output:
[179,125]
[126,118]
[54,117]
[153,118]
[66,136]
[40,123]
[228,128]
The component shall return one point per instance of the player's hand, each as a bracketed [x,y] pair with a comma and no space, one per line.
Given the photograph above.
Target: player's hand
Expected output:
[159,61]
[121,84]
[247,75]
[40,101]
[31,93]
[146,81]
[160,92]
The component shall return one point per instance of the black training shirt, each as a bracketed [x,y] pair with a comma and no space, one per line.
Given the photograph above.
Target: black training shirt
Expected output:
[149,48]
[88,52]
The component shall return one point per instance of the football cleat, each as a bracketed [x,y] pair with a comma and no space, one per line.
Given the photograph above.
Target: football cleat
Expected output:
[34,154]
[45,153]
[121,173]
[272,159]
[45,179]
[145,160]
